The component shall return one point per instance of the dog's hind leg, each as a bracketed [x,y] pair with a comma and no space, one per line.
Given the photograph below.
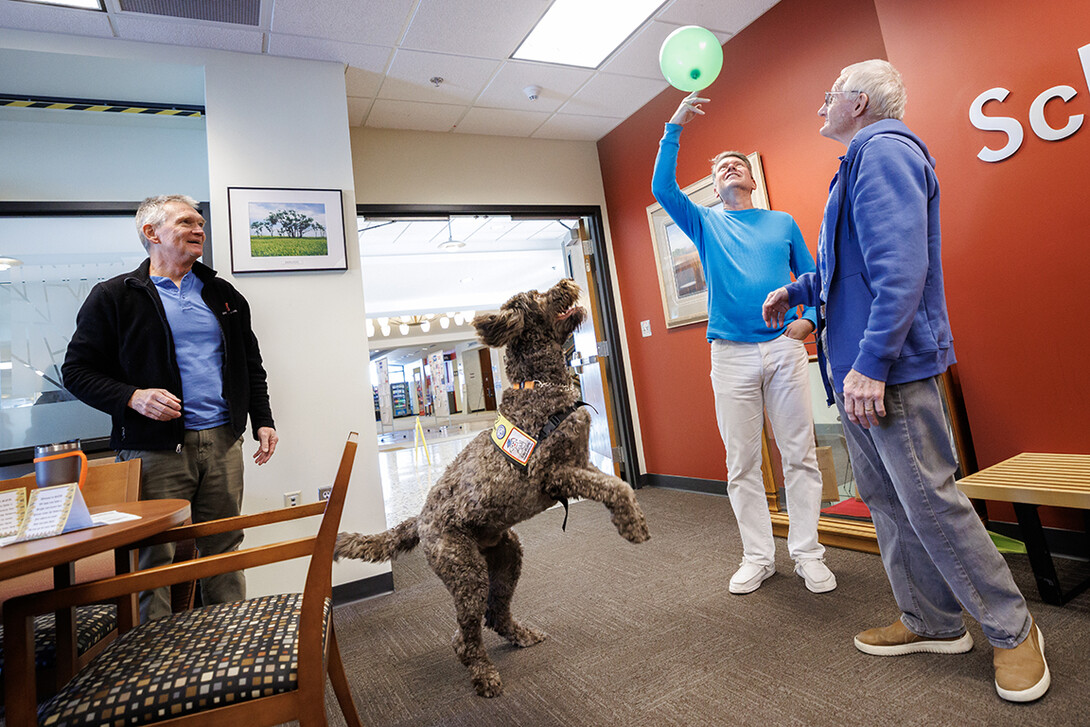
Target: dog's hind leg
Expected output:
[458,562]
[504,567]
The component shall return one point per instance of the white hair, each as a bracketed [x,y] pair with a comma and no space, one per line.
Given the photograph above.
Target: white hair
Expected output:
[881,82]
[152,211]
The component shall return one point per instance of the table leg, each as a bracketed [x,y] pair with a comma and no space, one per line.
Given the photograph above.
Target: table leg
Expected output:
[67,657]
[1040,557]
[128,608]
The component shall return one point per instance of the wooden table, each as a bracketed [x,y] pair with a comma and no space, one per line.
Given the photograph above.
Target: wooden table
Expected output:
[1029,480]
[60,552]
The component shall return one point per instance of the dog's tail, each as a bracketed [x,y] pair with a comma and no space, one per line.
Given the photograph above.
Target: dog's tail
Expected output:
[378,548]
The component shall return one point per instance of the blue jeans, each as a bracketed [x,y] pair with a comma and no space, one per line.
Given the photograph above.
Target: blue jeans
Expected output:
[208,473]
[936,552]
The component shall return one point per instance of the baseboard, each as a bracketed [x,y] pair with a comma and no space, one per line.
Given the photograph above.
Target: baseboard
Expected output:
[1061,543]
[689,484]
[365,588]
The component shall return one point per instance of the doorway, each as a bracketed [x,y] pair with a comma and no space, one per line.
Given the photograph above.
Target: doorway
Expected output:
[428,270]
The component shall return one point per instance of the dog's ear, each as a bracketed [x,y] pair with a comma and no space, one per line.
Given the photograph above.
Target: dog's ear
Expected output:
[498,329]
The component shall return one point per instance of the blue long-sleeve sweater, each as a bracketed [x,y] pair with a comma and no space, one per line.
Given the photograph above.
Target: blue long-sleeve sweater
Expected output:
[744,253]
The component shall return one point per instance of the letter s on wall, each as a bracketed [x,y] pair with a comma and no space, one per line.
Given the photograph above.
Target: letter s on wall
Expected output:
[1010,126]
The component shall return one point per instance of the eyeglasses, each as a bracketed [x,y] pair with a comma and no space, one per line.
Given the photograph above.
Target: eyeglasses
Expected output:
[829,95]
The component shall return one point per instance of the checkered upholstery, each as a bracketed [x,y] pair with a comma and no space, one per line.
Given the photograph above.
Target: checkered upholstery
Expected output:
[93,623]
[186,663]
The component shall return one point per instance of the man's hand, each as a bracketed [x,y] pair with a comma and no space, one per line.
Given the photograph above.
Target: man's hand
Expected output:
[268,439]
[775,308]
[864,399]
[157,404]
[689,108]
[799,329]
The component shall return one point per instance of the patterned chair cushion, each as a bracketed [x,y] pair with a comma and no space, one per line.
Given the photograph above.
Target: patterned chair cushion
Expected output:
[93,623]
[187,663]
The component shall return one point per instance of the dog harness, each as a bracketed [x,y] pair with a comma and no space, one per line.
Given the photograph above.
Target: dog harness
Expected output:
[518,446]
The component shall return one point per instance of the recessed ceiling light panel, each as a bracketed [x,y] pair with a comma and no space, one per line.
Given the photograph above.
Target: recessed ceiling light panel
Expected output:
[79,4]
[584,32]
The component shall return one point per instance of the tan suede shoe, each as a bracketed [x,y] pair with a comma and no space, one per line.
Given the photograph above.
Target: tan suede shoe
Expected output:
[1021,673]
[896,640]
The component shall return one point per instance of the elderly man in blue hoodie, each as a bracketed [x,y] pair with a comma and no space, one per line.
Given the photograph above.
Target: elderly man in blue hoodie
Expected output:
[884,339]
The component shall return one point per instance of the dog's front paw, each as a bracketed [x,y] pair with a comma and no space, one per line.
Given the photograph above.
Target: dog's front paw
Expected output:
[524,636]
[632,529]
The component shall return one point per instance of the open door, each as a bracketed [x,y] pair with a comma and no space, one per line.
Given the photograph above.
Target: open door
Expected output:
[588,359]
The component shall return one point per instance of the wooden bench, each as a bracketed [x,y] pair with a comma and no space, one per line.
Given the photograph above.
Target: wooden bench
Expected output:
[1028,480]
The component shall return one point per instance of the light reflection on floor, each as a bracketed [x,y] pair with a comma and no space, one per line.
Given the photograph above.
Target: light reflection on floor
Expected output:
[407,475]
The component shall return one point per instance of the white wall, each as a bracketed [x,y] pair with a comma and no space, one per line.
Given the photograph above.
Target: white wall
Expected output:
[419,167]
[310,325]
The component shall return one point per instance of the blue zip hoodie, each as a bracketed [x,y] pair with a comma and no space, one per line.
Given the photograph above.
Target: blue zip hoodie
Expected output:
[879,270]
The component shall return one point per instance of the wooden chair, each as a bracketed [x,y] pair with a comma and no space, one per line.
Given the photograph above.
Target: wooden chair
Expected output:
[107,482]
[256,662]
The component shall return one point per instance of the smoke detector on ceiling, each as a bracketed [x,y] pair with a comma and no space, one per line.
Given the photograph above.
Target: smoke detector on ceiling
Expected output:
[532,92]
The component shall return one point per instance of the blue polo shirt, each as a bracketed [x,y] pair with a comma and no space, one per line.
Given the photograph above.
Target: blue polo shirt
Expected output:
[198,349]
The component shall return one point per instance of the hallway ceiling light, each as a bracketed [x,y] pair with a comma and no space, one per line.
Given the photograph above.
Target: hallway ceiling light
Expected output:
[80,4]
[6,263]
[584,32]
[450,244]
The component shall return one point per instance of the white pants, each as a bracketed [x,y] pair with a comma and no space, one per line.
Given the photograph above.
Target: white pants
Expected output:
[749,379]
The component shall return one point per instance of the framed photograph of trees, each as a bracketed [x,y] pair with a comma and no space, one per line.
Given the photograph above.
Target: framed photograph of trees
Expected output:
[277,230]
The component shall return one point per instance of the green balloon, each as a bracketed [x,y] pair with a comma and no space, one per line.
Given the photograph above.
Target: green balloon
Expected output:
[691,58]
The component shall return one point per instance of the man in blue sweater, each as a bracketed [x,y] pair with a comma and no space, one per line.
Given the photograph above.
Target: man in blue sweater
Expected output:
[884,339]
[743,251]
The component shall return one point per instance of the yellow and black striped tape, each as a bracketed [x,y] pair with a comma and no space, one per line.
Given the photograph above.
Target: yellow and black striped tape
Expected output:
[117,107]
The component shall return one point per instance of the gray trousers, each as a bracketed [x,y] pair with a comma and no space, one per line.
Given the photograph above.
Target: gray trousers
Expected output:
[937,554]
[208,473]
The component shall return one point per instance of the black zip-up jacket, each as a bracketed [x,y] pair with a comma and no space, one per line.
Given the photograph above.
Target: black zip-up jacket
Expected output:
[123,342]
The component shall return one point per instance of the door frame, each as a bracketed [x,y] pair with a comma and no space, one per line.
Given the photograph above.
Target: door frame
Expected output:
[603,292]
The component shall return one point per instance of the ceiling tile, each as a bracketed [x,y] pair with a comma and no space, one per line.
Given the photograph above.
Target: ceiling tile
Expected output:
[640,56]
[387,114]
[357,110]
[501,122]
[482,28]
[25,16]
[375,22]
[575,128]
[190,34]
[615,96]
[556,83]
[359,82]
[723,16]
[409,77]
[370,58]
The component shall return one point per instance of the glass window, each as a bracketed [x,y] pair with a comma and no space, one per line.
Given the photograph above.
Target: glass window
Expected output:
[60,258]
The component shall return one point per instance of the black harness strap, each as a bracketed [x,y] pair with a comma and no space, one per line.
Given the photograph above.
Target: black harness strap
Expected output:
[555,420]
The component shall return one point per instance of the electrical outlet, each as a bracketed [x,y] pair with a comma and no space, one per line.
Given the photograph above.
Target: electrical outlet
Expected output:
[325,492]
[645,328]
[291,499]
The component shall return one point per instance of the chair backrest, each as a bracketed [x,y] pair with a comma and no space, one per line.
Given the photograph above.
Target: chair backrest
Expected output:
[319,582]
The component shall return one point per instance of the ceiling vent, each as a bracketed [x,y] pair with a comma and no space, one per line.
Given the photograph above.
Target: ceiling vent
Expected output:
[237,12]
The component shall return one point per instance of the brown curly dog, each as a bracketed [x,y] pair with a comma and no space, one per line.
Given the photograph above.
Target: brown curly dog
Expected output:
[465,525]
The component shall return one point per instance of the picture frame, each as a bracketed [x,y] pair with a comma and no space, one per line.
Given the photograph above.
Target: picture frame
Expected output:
[681,277]
[285,230]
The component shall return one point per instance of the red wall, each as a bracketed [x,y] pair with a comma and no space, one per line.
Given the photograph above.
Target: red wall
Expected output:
[1015,233]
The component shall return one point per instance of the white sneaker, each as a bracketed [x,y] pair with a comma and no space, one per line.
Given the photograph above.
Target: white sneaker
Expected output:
[818,577]
[750,576]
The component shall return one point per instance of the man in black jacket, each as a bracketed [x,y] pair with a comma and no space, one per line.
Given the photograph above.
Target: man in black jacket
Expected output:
[169,353]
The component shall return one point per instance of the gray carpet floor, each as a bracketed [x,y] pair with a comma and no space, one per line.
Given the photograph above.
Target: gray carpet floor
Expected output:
[649,635]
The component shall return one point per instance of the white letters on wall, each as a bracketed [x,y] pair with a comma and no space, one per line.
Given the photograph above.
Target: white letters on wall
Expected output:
[1013,128]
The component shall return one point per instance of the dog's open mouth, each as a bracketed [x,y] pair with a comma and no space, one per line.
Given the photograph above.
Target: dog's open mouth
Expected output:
[564,315]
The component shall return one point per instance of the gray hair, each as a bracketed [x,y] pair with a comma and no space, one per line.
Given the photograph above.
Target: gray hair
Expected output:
[881,82]
[732,154]
[152,211]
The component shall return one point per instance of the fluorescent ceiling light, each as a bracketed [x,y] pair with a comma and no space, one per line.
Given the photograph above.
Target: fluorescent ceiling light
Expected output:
[81,4]
[584,32]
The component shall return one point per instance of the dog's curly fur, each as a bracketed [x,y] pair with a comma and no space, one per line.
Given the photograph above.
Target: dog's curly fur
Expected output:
[465,524]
